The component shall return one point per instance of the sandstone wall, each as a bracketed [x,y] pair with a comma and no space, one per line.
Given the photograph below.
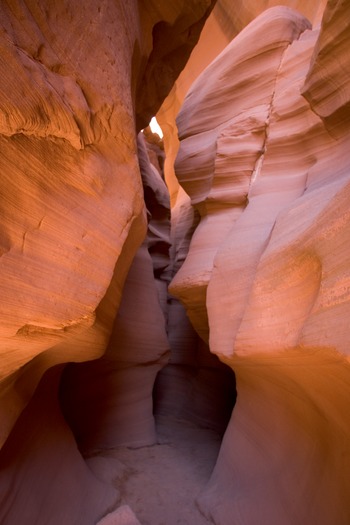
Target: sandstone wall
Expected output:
[259,242]
[108,402]
[75,78]
[264,157]
[224,23]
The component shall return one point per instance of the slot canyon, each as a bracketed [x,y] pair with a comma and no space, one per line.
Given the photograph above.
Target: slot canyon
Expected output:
[175,306]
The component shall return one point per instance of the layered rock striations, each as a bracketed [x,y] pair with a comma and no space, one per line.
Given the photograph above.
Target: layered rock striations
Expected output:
[73,216]
[223,127]
[264,158]
[108,402]
[71,186]
[326,84]
[92,346]
[225,22]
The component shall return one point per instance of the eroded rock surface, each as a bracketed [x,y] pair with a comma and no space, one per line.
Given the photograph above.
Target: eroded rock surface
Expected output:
[225,22]
[108,402]
[264,157]
[259,243]
[73,216]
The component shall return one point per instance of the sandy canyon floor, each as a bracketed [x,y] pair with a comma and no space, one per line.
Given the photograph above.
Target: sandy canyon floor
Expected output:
[161,482]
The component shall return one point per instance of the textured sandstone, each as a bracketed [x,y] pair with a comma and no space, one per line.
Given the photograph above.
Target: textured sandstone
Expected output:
[225,121]
[70,181]
[194,386]
[264,156]
[43,478]
[72,218]
[259,243]
[71,187]
[327,83]
[175,29]
[108,402]
[224,23]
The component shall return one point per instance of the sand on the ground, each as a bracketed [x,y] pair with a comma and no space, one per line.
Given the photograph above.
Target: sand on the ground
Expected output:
[160,483]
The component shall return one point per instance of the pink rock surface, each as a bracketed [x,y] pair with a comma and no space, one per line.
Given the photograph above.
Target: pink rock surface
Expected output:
[70,180]
[225,124]
[284,455]
[327,83]
[259,243]
[108,402]
[264,156]
[43,478]
[72,219]
[224,23]
[71,186]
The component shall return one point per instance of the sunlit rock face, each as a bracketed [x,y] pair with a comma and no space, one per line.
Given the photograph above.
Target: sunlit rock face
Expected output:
[264,157]
[327,83]
[70,185]
[224,23]
[73,216]
[223,126]
[71,189]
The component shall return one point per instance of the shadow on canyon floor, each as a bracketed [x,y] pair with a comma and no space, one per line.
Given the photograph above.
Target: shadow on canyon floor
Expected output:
[161,482]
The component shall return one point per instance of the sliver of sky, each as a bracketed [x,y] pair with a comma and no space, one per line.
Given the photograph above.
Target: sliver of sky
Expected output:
[155,127]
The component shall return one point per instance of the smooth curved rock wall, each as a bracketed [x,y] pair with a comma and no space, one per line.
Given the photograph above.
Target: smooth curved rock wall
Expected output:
[72,214]
[43,478]
[108,402]
[225,22]
[264,157]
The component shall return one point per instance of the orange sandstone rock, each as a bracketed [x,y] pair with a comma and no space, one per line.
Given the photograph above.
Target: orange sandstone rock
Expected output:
[71,188]
[264,156]
[72,215]
[224,122]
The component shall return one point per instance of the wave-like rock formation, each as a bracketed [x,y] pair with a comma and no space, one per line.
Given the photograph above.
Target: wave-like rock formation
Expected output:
[264,157]
[225,22]
[102,371]
[108,402]
[75,84]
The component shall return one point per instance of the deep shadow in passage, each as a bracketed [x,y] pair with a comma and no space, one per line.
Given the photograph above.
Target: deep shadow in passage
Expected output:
[203,392]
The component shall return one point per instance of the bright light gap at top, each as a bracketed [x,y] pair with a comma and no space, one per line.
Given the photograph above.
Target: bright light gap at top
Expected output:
[155,127]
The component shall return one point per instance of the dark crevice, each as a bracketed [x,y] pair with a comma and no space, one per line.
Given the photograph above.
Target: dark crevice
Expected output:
[203,392]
